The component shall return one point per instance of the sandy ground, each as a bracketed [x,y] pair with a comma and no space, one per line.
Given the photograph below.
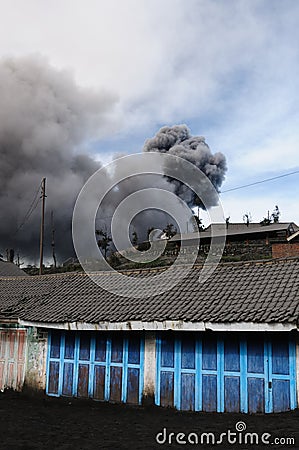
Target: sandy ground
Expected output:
[58,423]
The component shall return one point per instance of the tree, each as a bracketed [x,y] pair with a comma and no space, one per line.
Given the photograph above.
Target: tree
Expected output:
[275,215]
[170,230]
[273,218]
[266,220]
[198,223]
[247,218]
[104,241]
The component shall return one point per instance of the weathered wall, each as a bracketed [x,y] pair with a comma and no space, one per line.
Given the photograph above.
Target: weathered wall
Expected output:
[247,249]
[253,249]
[285,250]
[35,375]
[149,368]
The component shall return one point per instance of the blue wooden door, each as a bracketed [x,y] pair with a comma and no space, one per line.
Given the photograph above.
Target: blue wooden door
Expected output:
[96,365]
[257,362]
[282,382]
[231,373]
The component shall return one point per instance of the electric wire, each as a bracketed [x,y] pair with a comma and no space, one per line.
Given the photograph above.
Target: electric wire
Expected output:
[259,182]
[30,211]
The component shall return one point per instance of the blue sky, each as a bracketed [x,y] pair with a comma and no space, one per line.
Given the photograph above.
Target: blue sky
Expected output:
[228,69]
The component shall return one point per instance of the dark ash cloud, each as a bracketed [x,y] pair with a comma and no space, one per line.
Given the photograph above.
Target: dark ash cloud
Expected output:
[45,118]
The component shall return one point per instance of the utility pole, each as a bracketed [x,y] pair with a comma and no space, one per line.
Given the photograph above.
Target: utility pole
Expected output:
[42,226]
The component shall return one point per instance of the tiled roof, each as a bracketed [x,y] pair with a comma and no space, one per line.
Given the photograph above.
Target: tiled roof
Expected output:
[236,229]
[260,292]
[8,269]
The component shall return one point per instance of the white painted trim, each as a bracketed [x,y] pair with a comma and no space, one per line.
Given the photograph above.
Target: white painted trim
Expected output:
[250,326]
[290,238]
[177,325]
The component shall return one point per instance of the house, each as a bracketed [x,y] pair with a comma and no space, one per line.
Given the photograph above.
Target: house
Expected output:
[253,240]
[228,344]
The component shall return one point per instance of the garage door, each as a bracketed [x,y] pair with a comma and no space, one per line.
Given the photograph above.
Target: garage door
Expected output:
[95,365]
[235,373]
[12,358]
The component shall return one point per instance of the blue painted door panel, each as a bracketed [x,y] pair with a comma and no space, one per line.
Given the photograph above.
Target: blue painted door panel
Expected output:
[100,366]
[256,395]
[209,353]
[255,356]
[209,393]
[167,388]
[99,383]
[231,355]
[83,380]
[188,391]
[53,377]
[67,383]
[254,373]
[281,395]
[115,384]
[133,386]
[231,394]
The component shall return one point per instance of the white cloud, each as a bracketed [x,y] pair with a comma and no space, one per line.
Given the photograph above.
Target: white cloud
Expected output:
[165,58]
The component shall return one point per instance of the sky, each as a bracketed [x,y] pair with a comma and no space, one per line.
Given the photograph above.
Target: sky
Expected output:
[227,69]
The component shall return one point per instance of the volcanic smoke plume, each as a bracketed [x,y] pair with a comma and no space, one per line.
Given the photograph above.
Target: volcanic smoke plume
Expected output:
[44,121]
[178,141]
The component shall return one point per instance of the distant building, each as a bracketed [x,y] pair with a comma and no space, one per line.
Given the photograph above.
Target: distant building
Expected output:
[253,240]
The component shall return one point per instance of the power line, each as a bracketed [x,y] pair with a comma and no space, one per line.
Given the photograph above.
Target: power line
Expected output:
[259,182]
[31,209]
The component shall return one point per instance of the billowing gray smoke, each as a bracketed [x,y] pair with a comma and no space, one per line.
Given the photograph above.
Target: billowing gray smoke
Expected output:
[44,121]
[177,141]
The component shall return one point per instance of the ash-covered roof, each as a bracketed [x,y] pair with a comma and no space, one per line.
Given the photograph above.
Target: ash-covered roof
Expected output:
[240,229]
[260,292]
[8,269]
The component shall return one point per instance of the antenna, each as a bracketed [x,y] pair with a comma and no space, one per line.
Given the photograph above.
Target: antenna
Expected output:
[42,226]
